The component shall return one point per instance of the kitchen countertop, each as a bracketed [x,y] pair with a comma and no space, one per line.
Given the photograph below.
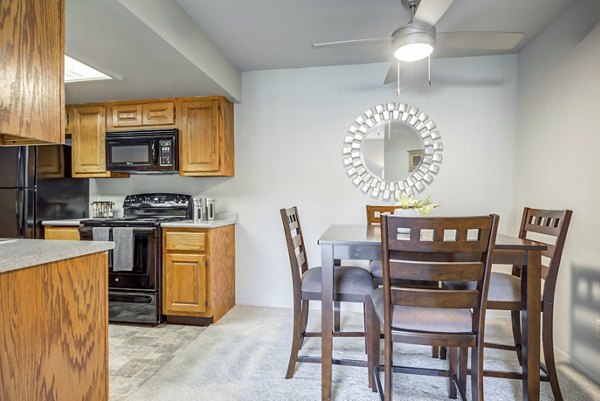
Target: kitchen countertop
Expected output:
[65,222]
[22,253]
[221,219]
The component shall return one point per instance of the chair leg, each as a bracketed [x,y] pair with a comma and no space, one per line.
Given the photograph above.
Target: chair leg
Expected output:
[297,338]
[443,351]
[548,346]
[388,362]
[452,371]
[305,306]
[435,352]
[337,306]
[477,373]
[516,329]
[462,369]
[373,334]
[366,326]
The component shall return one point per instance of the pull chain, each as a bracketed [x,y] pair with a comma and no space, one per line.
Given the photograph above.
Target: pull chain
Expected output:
[429,69]
[398,80]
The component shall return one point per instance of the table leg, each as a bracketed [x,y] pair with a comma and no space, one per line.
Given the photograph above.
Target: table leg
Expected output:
[326,320]
[531,303]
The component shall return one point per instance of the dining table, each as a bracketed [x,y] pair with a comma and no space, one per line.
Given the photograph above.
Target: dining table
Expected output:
[363,242]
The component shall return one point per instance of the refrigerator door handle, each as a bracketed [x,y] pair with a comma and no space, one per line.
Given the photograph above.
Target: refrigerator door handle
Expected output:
[20,212]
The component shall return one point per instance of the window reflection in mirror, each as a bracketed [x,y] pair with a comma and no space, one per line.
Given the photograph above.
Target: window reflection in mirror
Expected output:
[392,150]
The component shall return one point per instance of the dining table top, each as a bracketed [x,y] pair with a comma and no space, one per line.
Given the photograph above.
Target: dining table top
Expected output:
[362,234]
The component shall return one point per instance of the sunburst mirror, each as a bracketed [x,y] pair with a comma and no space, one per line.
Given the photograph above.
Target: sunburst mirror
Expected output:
[391,149]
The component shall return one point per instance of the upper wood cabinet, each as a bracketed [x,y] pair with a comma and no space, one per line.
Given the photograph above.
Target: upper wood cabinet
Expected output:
[205,132]
[32,78]
[89,128]
[140,114]
[206,137]
[51,161]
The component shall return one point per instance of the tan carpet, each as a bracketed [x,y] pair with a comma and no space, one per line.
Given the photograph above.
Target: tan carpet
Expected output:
[244,358]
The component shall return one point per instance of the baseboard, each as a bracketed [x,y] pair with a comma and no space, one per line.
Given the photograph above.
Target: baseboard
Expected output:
[592,376]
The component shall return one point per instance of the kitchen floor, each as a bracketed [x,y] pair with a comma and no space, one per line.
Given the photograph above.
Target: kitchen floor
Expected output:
[137,352]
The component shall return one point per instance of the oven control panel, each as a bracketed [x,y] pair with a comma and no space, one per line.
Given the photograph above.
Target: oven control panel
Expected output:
[160,200]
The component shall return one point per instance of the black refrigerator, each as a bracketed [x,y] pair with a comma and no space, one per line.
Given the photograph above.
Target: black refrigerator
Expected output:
[26,199]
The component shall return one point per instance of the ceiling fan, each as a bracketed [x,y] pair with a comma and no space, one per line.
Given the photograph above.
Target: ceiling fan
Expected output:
[418,39]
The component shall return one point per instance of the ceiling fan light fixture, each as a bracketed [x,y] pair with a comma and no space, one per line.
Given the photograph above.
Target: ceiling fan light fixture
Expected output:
[413,52]
[413,42]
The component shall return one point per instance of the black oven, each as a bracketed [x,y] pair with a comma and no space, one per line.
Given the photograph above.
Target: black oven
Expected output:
[142,151]
[134,292]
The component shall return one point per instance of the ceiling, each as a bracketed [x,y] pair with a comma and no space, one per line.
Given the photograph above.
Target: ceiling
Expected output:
[154,60]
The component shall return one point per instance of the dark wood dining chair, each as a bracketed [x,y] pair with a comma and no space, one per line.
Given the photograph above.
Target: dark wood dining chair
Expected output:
[374,213]
[351,284]
[434,249]
[549,227]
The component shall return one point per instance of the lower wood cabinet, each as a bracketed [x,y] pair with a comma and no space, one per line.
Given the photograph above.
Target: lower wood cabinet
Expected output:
[198,274]
[61,232]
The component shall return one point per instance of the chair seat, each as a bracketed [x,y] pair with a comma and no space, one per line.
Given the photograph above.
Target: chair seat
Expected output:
[351,283]
[432,320]
[504,288]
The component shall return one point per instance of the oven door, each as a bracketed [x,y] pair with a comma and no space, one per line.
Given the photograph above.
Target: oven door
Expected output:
[144,274]
[134,306]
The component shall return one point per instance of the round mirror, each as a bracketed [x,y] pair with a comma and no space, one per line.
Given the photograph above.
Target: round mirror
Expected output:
[392,149]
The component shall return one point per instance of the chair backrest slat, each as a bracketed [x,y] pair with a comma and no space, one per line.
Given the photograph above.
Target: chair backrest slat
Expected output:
[427,298]
[436,271]
[374,213]
[295,245]
[554,225]
[438,249]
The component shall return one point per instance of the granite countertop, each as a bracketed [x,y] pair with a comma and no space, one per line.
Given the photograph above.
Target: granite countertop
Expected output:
[65,222]
[221,219]
[22,253]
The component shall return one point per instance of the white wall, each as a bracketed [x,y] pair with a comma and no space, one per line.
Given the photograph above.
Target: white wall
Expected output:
[558,143]
[289,131]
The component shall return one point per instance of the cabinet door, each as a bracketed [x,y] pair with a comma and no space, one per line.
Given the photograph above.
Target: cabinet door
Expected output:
[32,64]
[184,283]
[127,115]
[158,113]
[64,233]
[50,161]
[88,154]
[200,142]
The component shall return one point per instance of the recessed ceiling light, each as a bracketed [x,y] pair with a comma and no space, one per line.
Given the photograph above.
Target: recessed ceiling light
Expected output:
[76,71]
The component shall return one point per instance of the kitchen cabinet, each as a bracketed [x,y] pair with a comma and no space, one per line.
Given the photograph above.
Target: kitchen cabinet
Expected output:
[205,132]
[88,143]
[54,330]
[61,233]
[50,161]
[198,274]
[32,80]
[206,137]
[125,115]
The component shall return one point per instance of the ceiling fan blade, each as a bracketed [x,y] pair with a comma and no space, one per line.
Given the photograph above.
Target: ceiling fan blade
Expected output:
[392,74]
[479,40]
[430,11]
[370,41]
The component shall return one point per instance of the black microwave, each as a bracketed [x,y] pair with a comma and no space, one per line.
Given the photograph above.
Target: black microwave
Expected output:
[147,151]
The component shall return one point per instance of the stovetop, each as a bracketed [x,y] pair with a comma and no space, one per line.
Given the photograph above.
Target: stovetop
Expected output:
[148,210]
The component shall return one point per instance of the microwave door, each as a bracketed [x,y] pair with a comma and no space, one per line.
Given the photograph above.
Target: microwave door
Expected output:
[130,154]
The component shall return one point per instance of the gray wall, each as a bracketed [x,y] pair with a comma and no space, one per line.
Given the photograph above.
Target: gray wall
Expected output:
[559,103]
[289,132]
